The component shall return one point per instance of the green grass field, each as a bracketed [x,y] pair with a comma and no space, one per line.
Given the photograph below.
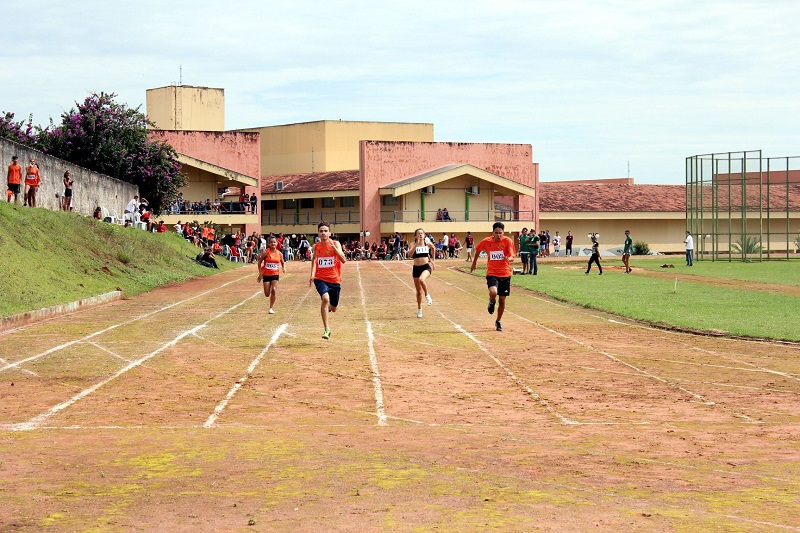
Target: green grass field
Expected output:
[51,257]
[692,299]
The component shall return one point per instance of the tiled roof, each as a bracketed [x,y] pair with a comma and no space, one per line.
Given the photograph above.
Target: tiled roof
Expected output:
[587,196]
[773,197]
[339,180]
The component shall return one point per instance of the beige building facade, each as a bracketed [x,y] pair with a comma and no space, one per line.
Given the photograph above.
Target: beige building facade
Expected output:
[184,107]
[328,145]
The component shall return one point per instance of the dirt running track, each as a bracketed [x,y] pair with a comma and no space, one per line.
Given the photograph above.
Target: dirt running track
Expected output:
[192,409]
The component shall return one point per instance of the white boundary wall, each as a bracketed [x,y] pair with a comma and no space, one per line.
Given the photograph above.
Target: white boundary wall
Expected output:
[91,189]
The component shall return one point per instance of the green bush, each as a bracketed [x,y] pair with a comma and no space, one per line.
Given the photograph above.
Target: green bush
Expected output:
[747,245]
[641,248]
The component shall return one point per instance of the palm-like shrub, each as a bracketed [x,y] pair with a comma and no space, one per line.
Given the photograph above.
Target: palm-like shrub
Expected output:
[747,245]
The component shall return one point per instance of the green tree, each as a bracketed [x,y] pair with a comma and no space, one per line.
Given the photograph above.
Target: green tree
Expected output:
[108,137]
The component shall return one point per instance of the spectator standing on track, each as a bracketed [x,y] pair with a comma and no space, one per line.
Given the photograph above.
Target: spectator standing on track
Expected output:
[469,240]
[568,240]
[595,257]
[326,273]
[500,253]
[270,263]
[627,248]
[424,263]
[14,179]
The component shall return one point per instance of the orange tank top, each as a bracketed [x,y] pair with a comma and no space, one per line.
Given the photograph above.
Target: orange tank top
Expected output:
[272,262]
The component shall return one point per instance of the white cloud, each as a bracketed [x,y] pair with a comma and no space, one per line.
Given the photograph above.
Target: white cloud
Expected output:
[590,85]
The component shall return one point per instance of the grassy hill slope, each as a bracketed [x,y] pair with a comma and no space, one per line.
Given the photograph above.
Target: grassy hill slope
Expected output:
[50,257]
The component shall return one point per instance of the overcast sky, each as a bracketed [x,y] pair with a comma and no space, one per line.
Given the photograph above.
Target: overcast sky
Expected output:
[591,85]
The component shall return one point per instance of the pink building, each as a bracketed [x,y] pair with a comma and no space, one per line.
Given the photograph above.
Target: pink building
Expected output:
[214,162]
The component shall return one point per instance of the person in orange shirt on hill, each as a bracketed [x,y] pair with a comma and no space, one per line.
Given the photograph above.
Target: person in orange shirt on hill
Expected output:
[32,182]
[269,263]
[500,252]
[14,179]
[326,273]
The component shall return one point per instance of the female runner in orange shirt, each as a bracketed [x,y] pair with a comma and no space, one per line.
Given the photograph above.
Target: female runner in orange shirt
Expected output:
[269,264]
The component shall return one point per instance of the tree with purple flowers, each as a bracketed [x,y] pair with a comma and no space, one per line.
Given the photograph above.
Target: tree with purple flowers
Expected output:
[111,138]
[18,131]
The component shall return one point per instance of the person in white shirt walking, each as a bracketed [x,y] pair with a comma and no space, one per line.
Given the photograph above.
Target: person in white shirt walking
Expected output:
[689,248]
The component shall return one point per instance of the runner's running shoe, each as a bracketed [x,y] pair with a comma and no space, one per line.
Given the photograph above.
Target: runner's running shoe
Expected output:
[419,313]
[428,299]
[271,311]
[327,333]
[491,307]
[497,325]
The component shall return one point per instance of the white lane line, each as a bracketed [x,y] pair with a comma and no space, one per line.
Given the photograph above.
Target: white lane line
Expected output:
[100,347]
[250,369]
[755,368]
[106,330]
[697,397]
[373,358]
[544,403]
[281,330]
[37,421]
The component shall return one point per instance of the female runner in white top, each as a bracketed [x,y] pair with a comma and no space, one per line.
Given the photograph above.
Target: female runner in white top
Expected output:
[424,263]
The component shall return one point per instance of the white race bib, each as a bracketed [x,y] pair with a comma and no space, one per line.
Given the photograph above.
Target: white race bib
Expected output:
[497,255]
[324,262]
[422,250]
[271,266]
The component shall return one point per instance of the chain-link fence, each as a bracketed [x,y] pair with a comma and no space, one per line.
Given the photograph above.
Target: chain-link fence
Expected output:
[740,205]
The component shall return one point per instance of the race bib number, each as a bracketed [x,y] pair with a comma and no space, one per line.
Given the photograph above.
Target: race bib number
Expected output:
[422,250]
[271,266]
[496,255]
[324,262]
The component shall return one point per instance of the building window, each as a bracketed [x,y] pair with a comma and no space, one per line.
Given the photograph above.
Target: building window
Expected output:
[348,201]
[269,205]
[289,204]
[388,199]
[306,203]
[328,203]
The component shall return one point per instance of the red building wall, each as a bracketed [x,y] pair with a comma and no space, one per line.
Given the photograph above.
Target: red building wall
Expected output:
[385,162]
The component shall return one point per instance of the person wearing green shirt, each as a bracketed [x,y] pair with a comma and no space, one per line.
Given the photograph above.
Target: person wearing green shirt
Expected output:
[626,251]
[533,247]
[524,251]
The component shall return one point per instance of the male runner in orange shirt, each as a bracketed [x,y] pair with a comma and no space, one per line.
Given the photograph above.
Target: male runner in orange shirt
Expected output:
[14,179]
[500,253]
[326,273]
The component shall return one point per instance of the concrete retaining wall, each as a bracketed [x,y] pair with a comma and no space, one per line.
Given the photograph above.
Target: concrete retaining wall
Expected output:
[15,321]
[91,189]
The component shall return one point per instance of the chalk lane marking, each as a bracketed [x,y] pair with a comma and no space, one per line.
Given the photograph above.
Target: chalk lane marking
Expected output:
[539,399]
[250,369]
[373,358]
[754,368]
[211,421]
[38,420]
[699,398]
[110,328]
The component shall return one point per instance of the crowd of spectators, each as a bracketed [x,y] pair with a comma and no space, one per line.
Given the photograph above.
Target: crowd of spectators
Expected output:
[245,203]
